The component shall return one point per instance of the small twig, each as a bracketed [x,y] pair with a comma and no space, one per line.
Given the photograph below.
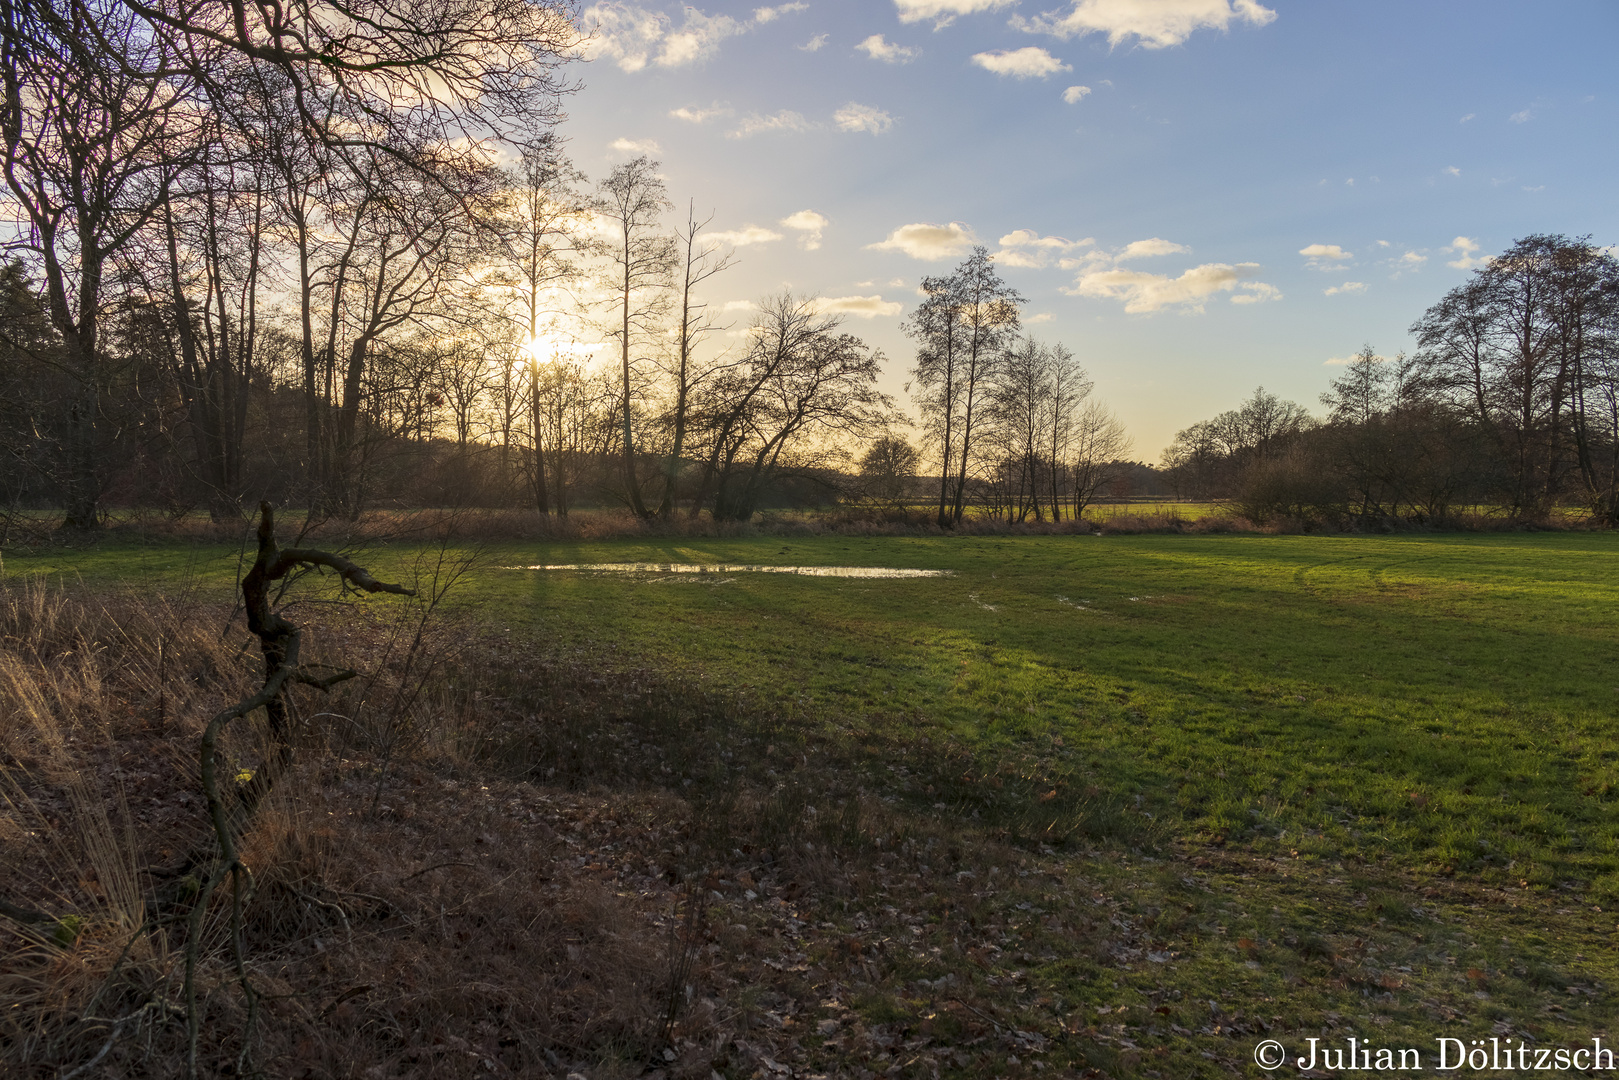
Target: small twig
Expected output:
[430,869]
[969,1008]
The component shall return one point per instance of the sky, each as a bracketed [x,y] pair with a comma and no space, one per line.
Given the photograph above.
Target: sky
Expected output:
[1197,197]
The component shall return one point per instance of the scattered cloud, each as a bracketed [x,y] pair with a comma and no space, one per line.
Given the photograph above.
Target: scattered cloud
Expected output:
[1383,243]
[1464,120]
[738,305]
[1256,292]
[1073,94]
[944,12]
[1324,256]
[861,307]
[743,237]
[1156,24]
[928,242]
[755,124]
[1463,247]
[808,225]
[634,36]
[1412,259]
[1453,170]
[1143,292]
[771,14]
[1523,116]
[700,116]
[1537,187]
[1338,361]
[879,49]
[1146,249]
[698,39]
[814,44]
[1346,287]
[852,117]
[1030,62]
[1044,316]
[636,146]
[856,117]
[1027,248]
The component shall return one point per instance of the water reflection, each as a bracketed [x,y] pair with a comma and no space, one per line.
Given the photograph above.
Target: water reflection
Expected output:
[734,568]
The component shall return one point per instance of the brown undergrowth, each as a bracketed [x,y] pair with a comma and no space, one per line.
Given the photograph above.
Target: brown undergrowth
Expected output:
[484,863]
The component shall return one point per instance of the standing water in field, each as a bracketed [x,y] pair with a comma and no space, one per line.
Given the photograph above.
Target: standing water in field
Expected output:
[735,568]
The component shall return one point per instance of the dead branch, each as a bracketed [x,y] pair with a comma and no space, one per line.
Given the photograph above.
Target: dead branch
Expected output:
[279,642]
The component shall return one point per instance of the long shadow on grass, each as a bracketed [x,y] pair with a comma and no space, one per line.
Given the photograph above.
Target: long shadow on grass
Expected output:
[572,721]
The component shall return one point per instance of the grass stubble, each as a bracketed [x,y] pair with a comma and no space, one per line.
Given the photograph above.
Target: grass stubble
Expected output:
[590,857]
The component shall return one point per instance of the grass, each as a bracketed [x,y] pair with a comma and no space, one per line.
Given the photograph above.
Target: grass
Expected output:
[1232,787]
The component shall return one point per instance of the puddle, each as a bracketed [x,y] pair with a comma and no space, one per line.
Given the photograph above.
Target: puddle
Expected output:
[739,568]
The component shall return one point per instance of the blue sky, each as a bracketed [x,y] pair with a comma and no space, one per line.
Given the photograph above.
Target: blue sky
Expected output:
[1196,196]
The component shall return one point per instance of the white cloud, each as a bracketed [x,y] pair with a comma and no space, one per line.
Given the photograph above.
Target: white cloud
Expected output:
[1521,117]
[1463,247]
[808,224]
[1453,170]
[1073,94]
[1346,287]
[1256,292]
[928,242]
[738,305]
[636,146]
[1044,316]
[856,117]
[771,14]
[634,36]
[1322,256]
[1025,247]
[1466,118]
[814,44]
[1382,243]
[700,116]
[748,234]
[627,34]
[1412,259]
[754,124]
[879,49]
[1143,292]
[944,12]
[697,40]
[1156,24]
[1030,62]
[862,307]
[1145,249]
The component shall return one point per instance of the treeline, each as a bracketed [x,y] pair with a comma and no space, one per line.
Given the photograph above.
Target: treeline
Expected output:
[254,260]
[1510,402]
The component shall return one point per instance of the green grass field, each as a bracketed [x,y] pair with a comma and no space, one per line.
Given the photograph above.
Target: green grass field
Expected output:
[1403,744]
[1443,703]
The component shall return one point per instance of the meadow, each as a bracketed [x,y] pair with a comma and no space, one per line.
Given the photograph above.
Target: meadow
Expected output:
[1314,785]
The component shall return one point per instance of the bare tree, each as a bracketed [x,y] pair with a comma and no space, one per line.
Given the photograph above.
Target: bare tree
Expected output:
[963,329]
[96,125]
[639,262]
[888,471]
[1097,451]
[699,262]
[801,386]
[540,237]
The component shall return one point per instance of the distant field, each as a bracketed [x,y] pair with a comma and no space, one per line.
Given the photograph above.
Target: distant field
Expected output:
[1384,712]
